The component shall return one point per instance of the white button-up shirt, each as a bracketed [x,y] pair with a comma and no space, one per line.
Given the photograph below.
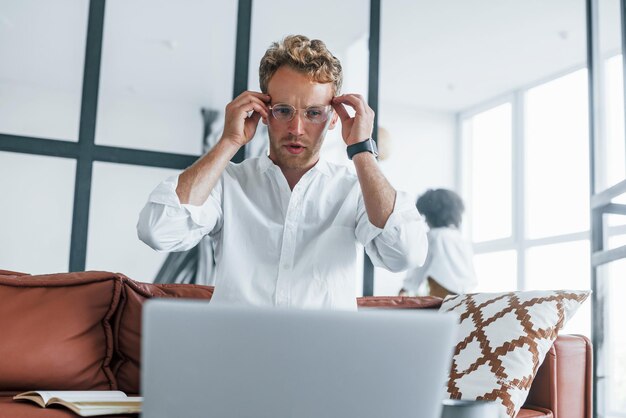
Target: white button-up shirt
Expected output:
[278,247]
[449,263]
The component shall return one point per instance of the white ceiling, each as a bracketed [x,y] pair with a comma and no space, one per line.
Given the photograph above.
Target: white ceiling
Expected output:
[452,54]
[442,55]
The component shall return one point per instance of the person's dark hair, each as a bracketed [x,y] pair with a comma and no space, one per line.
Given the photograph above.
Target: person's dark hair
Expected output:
[441,207]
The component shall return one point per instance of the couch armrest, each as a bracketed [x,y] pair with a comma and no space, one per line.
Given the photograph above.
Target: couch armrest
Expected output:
[563,382]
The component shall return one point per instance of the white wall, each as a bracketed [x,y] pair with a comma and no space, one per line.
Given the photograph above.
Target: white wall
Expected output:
[421,156]
[422,153]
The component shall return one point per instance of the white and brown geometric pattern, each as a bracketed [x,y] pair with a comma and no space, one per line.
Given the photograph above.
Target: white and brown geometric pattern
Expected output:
[503,340]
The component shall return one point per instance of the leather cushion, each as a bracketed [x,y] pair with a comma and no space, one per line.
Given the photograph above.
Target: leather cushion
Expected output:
[399,302]
[531,413]
[55,331]
[563,382]
[12,273]
[128,325]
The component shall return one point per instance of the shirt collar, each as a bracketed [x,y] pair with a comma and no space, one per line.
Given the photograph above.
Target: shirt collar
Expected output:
[265,163]
[321,166]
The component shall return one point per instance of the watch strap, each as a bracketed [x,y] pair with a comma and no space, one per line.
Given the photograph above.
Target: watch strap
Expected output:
[364,146]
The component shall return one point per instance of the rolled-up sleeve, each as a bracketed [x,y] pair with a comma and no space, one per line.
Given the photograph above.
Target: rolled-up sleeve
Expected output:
[402,244]
[167,225]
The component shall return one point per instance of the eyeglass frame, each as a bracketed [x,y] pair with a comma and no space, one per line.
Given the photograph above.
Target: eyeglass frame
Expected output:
[328,110]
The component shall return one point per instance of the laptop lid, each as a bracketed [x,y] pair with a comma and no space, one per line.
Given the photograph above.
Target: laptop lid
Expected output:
[204,361]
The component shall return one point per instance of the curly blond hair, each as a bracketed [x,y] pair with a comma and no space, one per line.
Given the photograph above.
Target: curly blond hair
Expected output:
[310,57]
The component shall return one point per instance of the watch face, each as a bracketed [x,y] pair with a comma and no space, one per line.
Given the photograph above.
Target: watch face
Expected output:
[374,147]
[371,147]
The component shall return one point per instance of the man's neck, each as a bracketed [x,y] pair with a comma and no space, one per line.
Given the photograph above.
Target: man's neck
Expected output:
[293,175]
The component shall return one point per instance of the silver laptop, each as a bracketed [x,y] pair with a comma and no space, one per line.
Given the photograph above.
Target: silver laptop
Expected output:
[204,361]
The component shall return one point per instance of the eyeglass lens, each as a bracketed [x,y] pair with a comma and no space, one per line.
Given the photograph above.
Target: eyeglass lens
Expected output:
[315,114]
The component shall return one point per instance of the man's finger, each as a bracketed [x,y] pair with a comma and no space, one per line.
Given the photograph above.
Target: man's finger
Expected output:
[248,96]
[341,111]
[253,105]
[254,118]
[355,101]
[261,96]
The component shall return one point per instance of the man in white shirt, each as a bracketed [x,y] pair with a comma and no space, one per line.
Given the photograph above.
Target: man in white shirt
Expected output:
[287,225]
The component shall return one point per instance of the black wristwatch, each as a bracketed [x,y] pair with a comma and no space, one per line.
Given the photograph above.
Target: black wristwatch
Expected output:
[368,145]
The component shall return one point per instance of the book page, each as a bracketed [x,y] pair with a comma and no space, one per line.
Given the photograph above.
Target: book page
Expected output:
[73,395]
[89,410]
[129,401]
[86,403]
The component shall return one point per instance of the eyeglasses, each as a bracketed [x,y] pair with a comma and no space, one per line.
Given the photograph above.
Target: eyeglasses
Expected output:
[314,114]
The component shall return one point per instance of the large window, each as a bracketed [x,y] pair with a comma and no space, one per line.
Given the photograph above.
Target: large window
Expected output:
[99,101]
[112,239]
[162,62]
[491,173]
[528,156]
[615,382]
[609,170]
[615,167]
[556,189]
[36,212]
[526,179]
[42,50]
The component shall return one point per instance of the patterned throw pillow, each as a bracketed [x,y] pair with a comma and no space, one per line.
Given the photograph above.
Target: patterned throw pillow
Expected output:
[503,339]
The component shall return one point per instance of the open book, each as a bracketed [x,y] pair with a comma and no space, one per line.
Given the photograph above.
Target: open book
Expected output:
[86,403]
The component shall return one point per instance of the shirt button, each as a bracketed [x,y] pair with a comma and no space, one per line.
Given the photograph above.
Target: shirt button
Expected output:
[286,266]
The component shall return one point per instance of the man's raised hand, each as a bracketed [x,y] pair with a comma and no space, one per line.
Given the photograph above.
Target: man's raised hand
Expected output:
[242,116]
[358,128]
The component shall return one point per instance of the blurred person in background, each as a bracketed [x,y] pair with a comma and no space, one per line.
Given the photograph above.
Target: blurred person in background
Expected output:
[449,266]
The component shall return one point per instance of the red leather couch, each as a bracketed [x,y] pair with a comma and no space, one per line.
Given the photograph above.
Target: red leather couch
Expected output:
[82,331]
